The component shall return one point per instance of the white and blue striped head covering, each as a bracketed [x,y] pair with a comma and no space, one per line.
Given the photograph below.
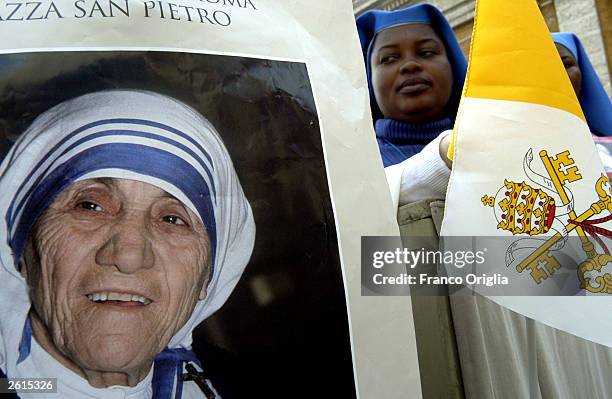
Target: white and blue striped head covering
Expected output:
[133,135]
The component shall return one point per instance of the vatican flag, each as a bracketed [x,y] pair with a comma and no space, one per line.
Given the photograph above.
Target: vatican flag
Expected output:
[527,187]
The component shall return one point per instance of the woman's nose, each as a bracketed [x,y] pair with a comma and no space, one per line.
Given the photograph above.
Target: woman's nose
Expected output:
[410,65]
[128,248]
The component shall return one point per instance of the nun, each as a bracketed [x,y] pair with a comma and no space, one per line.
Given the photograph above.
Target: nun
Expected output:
[593,99]
[415,72]
[124,226]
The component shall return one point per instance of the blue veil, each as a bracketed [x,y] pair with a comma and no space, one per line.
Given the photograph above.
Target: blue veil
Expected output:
[374,21]
[593,99]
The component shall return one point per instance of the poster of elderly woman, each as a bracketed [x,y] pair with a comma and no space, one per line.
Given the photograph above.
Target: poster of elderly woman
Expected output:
[167,228]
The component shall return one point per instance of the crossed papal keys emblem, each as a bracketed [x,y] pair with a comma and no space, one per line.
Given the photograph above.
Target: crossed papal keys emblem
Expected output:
[544,204]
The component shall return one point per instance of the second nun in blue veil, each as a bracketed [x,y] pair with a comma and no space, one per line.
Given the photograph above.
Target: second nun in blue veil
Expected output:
[593,99]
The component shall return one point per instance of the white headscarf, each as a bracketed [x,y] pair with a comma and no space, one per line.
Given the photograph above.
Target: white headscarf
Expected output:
[134,135]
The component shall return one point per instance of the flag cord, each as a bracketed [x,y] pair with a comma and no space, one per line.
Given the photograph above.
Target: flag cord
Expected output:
[595,231]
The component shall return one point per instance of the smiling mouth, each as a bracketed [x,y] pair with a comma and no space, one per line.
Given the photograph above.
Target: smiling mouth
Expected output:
[118,298]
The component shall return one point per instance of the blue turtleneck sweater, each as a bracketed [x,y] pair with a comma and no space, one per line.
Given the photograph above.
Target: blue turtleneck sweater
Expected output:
[398,141]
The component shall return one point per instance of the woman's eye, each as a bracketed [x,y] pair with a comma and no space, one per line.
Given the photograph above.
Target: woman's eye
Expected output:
[568,62]
[388,58]
[173,219]
[90,206]
[427,53]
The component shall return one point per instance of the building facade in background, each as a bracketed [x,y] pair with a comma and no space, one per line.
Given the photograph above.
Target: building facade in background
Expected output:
[591,20]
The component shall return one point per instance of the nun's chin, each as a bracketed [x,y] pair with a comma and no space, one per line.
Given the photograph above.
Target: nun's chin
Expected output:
[118,360]
[103,360]
[114,338]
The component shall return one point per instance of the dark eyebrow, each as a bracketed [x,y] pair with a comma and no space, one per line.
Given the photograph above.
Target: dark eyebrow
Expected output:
[111,182]
[166,194]
[386,46]
[429,39]
[418,42]
[108,182]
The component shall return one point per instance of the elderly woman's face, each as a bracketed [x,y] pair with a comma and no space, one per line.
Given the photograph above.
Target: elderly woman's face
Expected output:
[411,75]
[116,267]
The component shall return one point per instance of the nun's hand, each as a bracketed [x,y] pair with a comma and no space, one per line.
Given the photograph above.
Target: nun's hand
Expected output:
[444,144]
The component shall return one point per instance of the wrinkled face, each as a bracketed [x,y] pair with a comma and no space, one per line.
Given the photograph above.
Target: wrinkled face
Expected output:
[571,67]
[115,268]
[411,75]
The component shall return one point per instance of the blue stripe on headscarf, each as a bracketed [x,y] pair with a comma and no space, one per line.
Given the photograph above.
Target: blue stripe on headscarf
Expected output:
[25,345]
[135,133]
[168,369]
[11,213]
[151,162]
[373,21]
[593,98]
[115,133]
